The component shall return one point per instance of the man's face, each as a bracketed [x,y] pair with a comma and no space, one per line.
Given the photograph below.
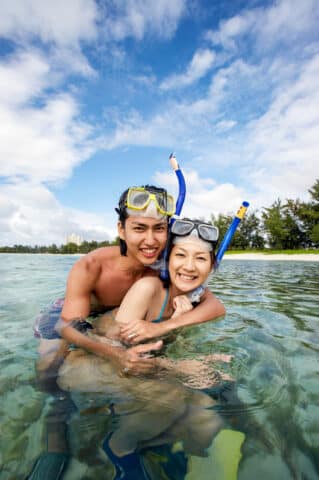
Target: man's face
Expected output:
[145,237]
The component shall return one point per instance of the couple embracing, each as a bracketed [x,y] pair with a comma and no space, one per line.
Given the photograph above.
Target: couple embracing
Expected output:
[121,276]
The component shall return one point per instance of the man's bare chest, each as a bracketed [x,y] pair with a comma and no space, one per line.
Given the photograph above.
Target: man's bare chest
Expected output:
[111,289]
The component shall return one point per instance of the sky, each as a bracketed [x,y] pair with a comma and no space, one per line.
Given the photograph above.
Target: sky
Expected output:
[96,94]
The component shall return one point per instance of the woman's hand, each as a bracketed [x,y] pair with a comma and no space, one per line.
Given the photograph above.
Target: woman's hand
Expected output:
[139,331]
[181,305]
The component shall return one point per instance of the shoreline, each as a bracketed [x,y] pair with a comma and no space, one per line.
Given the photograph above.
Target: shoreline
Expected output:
[299,257]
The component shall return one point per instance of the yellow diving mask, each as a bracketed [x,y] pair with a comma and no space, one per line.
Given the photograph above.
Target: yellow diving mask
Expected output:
[138,198]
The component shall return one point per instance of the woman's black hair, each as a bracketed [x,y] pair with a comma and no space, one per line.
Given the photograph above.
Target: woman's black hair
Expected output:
[122,210]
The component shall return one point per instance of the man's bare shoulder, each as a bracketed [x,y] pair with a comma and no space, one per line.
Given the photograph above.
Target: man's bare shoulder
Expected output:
[94,261]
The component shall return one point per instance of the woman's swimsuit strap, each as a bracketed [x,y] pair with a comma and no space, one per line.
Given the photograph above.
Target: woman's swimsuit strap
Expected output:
[159,318]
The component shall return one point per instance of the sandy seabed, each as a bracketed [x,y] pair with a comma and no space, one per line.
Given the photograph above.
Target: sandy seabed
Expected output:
[301,257]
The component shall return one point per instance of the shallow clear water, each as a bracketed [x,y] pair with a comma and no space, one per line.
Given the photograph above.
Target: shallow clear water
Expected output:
[272,331]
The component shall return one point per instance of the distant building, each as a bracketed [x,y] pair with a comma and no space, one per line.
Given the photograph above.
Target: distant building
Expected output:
[73,238]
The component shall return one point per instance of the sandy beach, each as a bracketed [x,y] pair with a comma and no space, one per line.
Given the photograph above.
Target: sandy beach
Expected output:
[310,257]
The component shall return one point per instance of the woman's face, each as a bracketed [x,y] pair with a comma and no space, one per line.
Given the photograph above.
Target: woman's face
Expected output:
[189,265]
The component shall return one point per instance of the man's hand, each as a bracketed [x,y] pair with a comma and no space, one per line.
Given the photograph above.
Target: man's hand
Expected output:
[138,360]
[139,331]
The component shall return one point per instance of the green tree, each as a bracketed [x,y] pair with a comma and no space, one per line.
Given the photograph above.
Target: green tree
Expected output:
[70,248]
[273,225]
[53,248]
[85,247]
[222,222]
[248,233]
[295,236]
[309,216]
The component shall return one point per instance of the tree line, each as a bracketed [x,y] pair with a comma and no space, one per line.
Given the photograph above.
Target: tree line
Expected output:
[68,248]
[288,225]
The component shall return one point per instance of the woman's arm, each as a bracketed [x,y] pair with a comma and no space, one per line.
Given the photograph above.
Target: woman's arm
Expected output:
[209,309]
[138,300]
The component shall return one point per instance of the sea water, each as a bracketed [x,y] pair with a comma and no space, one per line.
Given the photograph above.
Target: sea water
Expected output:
[271,329]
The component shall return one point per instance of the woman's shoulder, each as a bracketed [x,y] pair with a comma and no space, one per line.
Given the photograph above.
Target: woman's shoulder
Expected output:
[149,284]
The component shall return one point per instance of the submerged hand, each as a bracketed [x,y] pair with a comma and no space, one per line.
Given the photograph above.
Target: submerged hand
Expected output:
[140,330]
[138,360]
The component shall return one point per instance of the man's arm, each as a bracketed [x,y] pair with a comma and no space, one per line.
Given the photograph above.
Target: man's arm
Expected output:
[209,309]
[80,285]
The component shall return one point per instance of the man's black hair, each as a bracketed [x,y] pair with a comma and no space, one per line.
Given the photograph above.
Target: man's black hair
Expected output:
[122,210]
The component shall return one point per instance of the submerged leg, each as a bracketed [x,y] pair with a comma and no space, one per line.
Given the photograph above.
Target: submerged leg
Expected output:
[52,464]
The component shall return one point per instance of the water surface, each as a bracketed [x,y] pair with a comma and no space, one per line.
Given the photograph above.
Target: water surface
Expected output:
[271,329]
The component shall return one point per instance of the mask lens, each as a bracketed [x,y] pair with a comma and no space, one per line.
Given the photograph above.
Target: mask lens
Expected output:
[165,203]
[182,227]
[170,208]
[161,200]
[137,199]
[209,233]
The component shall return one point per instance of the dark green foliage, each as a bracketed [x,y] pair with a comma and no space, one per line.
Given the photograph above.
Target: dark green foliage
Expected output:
[293,225]
[248,234]
[85,247]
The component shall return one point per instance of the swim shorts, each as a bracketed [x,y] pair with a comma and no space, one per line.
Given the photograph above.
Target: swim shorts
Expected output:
[44,325]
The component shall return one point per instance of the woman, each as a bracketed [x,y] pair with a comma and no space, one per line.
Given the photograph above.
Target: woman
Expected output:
[149,300]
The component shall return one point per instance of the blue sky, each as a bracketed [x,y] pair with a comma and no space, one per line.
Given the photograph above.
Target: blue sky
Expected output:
[95,95]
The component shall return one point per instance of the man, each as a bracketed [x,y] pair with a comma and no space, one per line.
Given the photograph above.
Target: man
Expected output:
[100,280]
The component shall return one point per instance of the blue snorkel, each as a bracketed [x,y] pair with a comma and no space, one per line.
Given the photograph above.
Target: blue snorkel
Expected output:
[164,275]
[179,205]
[181,187]
[230,233]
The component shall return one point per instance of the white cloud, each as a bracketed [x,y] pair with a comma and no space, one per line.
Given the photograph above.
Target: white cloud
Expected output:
[192,124]
[230,29]
[30,214]
[286,22]
[200,64]
[204,197]
[284,142]
[51,141]
[225,125]
[29,66]
[136,18]
[60,22]
[41,136]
